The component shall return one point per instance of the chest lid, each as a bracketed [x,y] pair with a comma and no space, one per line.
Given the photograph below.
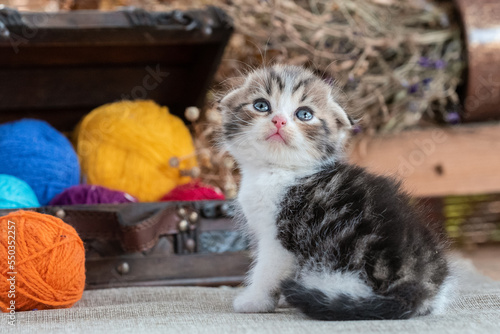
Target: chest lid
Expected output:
[59,66]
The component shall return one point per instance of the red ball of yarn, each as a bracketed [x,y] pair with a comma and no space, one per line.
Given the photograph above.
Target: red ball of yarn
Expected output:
[193,191]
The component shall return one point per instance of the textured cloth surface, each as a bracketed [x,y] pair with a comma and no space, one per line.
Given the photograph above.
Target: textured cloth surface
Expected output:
[191,310]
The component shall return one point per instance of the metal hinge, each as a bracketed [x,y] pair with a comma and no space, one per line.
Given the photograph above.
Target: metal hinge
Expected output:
[141,18]
[8,18]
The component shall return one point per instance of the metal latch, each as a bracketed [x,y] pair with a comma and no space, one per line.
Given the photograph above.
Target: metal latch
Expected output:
[186,238]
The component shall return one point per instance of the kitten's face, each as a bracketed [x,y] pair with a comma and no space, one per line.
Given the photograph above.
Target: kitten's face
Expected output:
[283,115]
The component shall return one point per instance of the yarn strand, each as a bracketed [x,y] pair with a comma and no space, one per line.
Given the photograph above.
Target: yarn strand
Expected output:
[49,261]
[127,146]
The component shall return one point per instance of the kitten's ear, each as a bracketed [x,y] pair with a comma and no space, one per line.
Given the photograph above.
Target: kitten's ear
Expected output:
[231,86]
[233,83]
[351,120]
[238,81]
[339,100]
[344,120]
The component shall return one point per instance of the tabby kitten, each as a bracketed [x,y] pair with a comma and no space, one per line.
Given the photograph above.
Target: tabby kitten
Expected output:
[338,242]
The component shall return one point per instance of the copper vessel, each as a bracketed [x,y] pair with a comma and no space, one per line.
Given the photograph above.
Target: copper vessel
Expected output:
[481,23]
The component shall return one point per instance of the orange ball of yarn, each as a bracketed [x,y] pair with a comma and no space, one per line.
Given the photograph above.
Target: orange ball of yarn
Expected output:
[42,262]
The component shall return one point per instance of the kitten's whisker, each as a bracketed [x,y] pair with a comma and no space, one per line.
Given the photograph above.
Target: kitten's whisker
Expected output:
[243,121]
[248,67]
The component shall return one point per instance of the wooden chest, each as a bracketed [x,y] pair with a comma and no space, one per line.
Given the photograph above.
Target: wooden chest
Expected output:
[58,67]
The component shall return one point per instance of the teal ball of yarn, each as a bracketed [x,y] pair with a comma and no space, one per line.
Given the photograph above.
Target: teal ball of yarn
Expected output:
[16,194]
[35,152]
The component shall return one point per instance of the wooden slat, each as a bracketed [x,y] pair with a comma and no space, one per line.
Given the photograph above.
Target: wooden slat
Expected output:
[59,66]
[105,55]
[77,87]
[456,160]
[201,269]
[115,28]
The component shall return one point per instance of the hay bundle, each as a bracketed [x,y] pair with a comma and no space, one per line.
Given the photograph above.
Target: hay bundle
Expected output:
[399,62]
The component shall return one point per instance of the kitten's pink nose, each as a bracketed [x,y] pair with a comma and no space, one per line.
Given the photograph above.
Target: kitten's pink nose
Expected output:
[279,121]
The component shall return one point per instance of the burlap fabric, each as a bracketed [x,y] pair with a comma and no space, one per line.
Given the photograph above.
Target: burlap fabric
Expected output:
[186,310]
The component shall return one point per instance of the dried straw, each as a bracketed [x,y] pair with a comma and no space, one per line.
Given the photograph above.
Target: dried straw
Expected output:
[399,62]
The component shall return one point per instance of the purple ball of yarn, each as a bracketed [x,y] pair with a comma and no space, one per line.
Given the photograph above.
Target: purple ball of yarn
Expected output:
[91,194]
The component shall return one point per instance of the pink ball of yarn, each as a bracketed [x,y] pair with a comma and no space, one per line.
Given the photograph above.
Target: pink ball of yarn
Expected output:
[193,191]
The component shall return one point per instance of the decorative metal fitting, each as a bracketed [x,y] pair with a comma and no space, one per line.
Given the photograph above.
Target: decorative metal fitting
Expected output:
[193,217]
[183,225]
[190,245]
[209,210]
[182,212]
[123,268]
[61,213]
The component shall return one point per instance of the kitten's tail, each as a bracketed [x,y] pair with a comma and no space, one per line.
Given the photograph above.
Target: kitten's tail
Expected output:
[344,306]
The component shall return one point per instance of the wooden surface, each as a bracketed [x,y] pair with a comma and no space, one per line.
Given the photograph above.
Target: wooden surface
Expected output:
[199,269]
[459,160]
[59,66]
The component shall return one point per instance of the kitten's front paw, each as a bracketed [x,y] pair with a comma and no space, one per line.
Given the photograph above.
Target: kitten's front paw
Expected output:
[250,302]
[282,303]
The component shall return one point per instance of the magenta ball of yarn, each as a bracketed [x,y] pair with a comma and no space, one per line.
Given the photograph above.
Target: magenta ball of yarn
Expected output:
[91,194]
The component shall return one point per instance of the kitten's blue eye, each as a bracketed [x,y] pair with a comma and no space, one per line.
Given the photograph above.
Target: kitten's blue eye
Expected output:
[304,114]
[262,105]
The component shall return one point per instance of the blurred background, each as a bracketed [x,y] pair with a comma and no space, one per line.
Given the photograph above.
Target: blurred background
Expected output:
[422,77]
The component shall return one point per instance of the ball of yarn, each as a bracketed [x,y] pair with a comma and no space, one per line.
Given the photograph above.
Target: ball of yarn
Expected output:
[16,194]
[127,146]
[91,194]
[194,191]
[38,154]
[47,259]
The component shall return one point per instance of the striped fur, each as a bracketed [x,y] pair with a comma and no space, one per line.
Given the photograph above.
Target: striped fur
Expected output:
[338,242]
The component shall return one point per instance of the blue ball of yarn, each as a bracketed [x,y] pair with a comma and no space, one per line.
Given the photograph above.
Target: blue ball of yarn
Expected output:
[16,194]
[35,152]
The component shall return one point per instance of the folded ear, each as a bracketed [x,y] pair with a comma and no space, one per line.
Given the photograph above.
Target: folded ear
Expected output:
[343,119]
[339,101]
[233,83]
[351,120]
[229,89]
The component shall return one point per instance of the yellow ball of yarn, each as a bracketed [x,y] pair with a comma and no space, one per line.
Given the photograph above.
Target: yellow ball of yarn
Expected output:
[127,146]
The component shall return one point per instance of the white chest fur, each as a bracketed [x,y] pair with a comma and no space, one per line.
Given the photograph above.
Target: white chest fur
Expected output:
[260,194]
[261,191]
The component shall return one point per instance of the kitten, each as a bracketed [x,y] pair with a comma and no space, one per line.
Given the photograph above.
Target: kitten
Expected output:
[338,242]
